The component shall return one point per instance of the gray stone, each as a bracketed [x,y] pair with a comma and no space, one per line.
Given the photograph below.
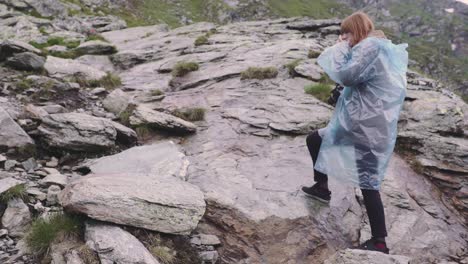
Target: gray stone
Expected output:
[48,8]
[202,239]
[143,115]
[209,256]
[10,47]
[102,63]
[37,193]
[35,112]
[30,165]
[310,70]
[3,232]
[9,164]
[7,183]
[54,179]
[116,102]
[26,61]
[53,162]
[115,245]
[57,48]
[11,134]
[96,47]
[354,256]
[312,25]
[161,159]
[82,132]
[52,195]
[98,90]
[62,68]
[178,205]
[54,109]
[16,218]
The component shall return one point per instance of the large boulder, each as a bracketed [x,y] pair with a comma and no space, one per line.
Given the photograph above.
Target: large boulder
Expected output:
[82,132]
[11,134]
[7,183]
[115,245]
[131,199]
[144,115]
[26,61]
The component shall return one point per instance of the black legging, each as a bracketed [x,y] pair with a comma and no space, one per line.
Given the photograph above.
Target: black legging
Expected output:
[372,200]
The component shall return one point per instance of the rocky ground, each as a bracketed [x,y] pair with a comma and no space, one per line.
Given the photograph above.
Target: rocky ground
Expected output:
[95,129]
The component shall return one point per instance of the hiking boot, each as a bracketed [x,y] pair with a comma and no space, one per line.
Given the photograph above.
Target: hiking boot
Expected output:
[317,192]
[374,245]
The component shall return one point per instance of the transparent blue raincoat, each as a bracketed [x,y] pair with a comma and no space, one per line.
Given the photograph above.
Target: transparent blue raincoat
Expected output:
[359,139]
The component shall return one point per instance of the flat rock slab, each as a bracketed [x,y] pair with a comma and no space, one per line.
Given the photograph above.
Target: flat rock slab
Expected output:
[61,68]
[355,256]
[96,47]
[163,159]
[82,132]
[115,245]
[144,115]
[163,204]
[11,134]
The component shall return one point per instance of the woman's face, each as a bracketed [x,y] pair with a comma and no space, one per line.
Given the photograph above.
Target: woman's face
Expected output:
[348,37]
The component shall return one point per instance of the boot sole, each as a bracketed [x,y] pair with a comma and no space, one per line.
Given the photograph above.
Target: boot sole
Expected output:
[316,198]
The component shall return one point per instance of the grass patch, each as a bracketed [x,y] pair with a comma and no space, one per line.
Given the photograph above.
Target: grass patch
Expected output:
[124,117]
[190,114]
[321,91]
[290,66]
[23,85]
[259,73]
[143,132]
[314,9]
[45,231]
[56,41]
[109,81]
[96,37]
[201,40]
[164,254]
[313,54]
[18,191]
[156,92]
[88,255]
[182,68]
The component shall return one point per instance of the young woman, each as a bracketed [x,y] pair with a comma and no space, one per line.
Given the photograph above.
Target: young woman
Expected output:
[358,142]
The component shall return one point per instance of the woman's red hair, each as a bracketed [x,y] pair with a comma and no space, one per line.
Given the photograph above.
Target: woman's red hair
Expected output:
[359,24]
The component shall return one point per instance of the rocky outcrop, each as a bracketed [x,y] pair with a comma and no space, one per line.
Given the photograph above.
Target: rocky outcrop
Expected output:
[82,132]
[16,218]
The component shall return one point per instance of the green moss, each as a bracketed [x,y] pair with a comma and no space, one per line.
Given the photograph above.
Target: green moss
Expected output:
[259,73]
[18,191]
[201,40]
[45,231]
[290,66]
[182,68]
[321,91]
[96,37]
[190,114]
[313,54]
[314,9]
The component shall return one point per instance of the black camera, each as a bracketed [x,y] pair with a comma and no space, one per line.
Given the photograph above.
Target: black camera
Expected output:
[335,94]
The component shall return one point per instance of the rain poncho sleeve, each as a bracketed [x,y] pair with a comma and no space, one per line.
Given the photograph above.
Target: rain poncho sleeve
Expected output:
[359,139]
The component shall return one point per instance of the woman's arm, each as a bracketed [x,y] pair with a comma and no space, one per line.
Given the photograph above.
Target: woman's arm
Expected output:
[350,66]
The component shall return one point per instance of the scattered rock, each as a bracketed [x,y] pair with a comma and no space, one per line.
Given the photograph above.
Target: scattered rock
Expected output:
[52,195]
[55,179]
[7,183]
[115,245]
[96,47]
[116,102]
[11,134]
[62,68]
[144,115]
[11,47]
[16,218]
[30,165]
[26,61]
